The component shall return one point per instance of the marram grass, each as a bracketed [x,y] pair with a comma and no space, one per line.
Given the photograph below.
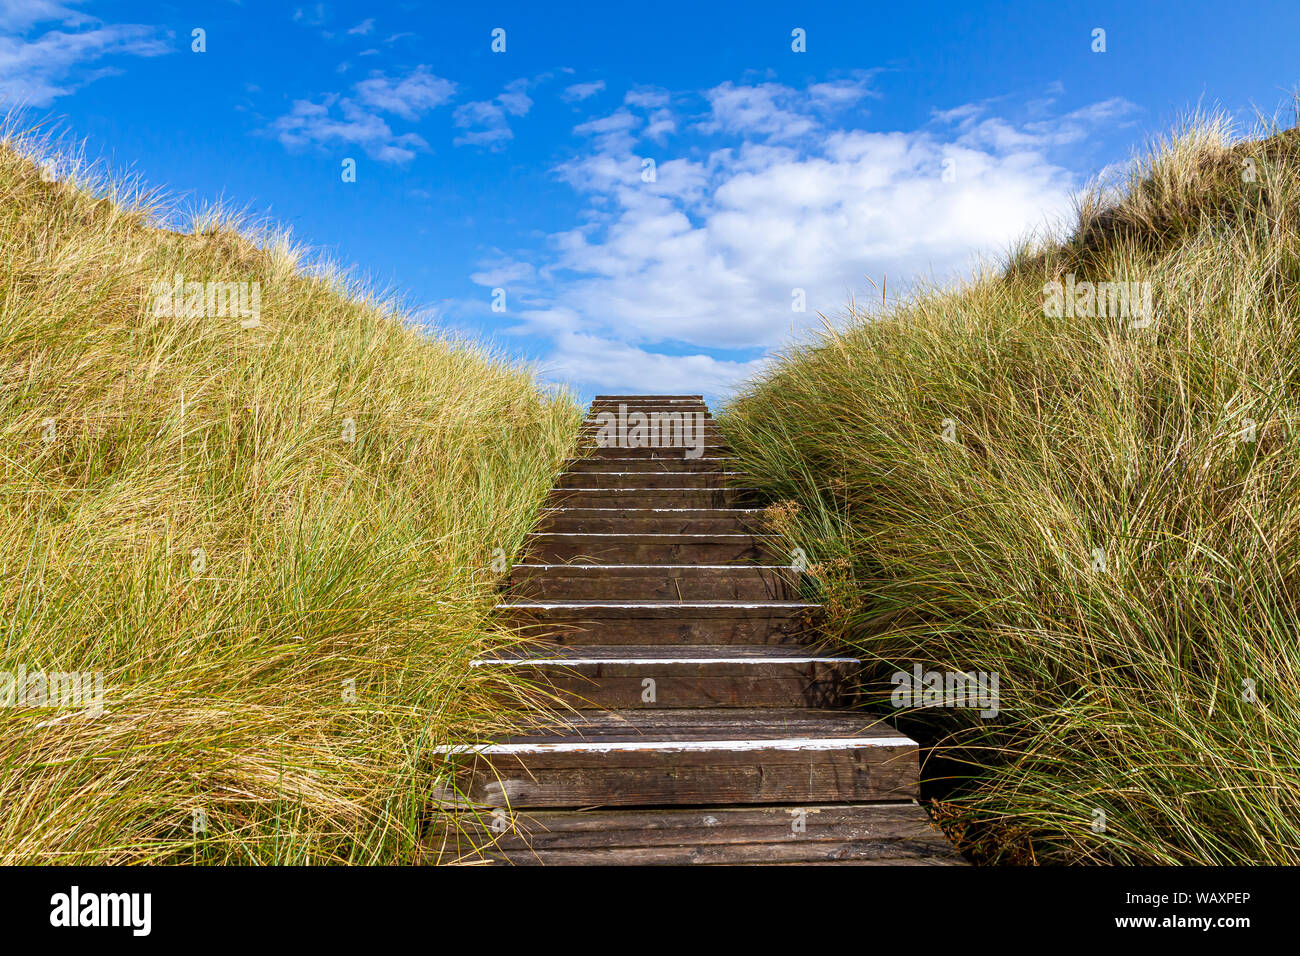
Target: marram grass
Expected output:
[272,539]
[1112,526]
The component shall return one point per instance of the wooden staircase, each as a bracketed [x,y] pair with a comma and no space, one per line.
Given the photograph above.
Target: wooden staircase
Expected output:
[707,728]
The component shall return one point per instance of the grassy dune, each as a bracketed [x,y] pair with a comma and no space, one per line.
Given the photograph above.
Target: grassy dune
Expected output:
[273,541]
[1113,526]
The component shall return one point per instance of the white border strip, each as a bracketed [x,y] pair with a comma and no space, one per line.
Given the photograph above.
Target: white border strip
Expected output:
[675,605]
[630,490]
[666,567]
[702,535]
[654,661]
[682,746]
[635,511]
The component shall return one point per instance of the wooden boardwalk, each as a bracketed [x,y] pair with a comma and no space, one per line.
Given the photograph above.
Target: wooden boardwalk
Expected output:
[708,726]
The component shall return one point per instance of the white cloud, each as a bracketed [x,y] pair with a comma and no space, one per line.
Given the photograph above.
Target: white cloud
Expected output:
[21,14]
[355,120]
[504,273]
[485,121]
[408,97]
[581,91]
[646,99]
[755,110]
[979,130]
[312,16]
[363,28]
[36,68]
[609,363]
[707,257]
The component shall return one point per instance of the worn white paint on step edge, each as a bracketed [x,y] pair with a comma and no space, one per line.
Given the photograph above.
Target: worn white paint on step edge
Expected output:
[702,535]
[581,605]
[656,661]
[681,746]
[666,567]
[637,511]
[656,490]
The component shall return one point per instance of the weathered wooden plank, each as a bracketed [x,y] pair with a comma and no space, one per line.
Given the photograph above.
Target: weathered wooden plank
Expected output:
[709,450]
[788,771]
[680,678]
[646,479]
[641,548]
[668,582]
[643,398]
[679,623]
[650,497]
[618,520]
[653,465]
[703,724]
[664,653]
[876,831]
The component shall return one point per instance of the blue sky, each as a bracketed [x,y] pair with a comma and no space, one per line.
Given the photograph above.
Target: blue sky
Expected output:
[904,141]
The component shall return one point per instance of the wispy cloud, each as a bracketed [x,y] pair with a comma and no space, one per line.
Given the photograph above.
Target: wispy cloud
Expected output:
[357,119]
[41,61]
[485,121]
[581,91]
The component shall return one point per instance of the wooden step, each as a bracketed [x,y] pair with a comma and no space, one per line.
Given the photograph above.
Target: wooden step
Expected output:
[647,398]
[642,548]
[589,449]
[619,408]
[633,415]
[664,676]
[685,757]
[655,582]
[579,623]
[647,408]
[706,435]
[690,419]
[638,497]
[647,479]
[708,425]
[666,466]
[880,833]
[614,520]
[708,447]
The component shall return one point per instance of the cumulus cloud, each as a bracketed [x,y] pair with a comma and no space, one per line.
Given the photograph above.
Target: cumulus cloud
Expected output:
[690,276]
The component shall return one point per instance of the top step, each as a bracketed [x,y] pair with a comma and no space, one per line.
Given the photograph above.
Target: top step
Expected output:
[605,399]
[698,408]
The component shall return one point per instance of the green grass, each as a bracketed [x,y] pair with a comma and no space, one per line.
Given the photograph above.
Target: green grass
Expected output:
[275,543]
[1166,454]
